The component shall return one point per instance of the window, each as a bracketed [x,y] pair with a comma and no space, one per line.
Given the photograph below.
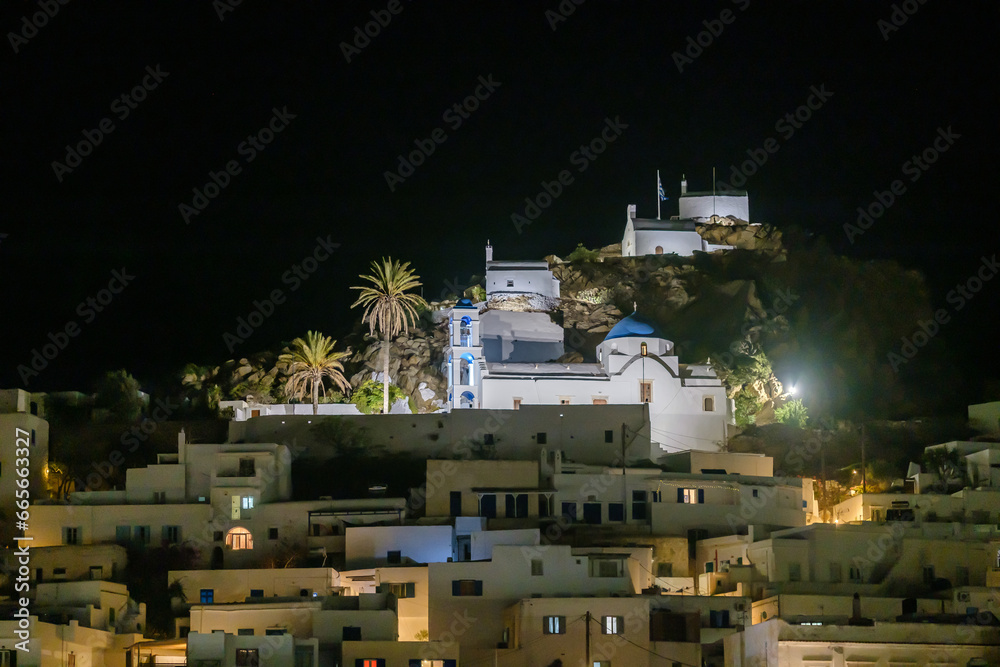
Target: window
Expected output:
[616,512]
[488,439]
[536,567]
[256,592]
[217,536]
[272,533]
[393,557]
[370,662]
[403,590]
[517,505]
[564,401]
[569,511]
[645,391]
[140,534]
[159,497]
[123,534]
[96,572]
[455,503]
[171,534]
[517,403]
[612,625]
[708,404]
[554,625]
[664,569]
[247,468]
[275,632]
[71,535]
[246,502]
[207,595]
[488,506]
[351,634]
[541,439]
[639,505]
[510,282]
[466,587]
[600,400]
[239,538]
[543,506]
[755,493]
[855,575]
[928,574]
[961,575]
[691,496]
[658,251]
[59,572]
[247,657]
[794,572]
[245,632]
[592,513]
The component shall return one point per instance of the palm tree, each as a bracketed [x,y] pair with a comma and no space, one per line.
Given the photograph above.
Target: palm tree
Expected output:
[389,308]
[309,361]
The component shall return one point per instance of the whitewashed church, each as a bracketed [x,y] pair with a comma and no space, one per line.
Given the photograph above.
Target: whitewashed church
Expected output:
[503,359]
[652,236]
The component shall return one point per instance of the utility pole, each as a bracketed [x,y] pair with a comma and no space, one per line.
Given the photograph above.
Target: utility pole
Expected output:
[864,485]
[587,662]
[624,485]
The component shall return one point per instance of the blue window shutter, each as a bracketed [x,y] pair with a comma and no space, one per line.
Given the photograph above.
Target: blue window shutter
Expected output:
[479,587]
[680,495]
[701,496]
[456,587]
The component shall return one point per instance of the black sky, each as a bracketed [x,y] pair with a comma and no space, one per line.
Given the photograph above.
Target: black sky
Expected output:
[323,174]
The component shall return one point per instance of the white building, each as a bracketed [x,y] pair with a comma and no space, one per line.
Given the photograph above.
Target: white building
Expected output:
[688,407]
[679,234]
[24,436]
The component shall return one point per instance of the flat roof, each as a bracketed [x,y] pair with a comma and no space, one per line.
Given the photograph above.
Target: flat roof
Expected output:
[727,193]
[642,224]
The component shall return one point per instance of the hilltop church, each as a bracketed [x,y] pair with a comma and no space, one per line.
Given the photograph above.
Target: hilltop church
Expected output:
[679,234]
[501,358]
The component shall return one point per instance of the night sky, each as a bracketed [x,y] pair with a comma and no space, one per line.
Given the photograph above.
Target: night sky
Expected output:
[309,113]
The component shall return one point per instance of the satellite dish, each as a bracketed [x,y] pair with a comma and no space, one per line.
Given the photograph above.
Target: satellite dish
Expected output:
[913,470]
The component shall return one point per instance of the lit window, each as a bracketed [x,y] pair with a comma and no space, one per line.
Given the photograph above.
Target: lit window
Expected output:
[467,587]
[612,625]
[207,595]
[239,538]
[246,502]
[247,657]
[517,403]
[554,625]
[691,496]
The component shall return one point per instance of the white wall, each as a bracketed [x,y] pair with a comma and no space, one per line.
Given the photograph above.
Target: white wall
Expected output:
[369,545]
[701,207]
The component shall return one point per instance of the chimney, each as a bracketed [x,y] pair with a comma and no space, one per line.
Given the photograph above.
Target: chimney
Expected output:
[684,184]
[489,251]
[631,211]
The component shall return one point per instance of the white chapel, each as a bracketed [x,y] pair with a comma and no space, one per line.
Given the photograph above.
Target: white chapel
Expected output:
[502,359]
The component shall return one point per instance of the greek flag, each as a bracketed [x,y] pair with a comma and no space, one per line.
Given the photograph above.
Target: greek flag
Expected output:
[659,187]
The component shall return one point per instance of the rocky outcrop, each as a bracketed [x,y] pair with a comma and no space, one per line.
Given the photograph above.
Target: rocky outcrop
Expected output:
[415,360]
[740,234]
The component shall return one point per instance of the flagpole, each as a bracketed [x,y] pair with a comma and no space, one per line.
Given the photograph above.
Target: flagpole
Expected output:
[713,191]
[657,194]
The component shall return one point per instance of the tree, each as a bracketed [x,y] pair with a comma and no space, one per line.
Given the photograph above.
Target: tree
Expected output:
[369,396]
[945,463]
[119,393]
[309,361]
[793,413]
[389,307]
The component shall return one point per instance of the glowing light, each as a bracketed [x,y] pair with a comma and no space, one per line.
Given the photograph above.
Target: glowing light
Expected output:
[792,390]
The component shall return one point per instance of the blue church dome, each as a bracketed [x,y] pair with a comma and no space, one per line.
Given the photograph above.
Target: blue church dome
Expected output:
[464,303]
[634,326]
